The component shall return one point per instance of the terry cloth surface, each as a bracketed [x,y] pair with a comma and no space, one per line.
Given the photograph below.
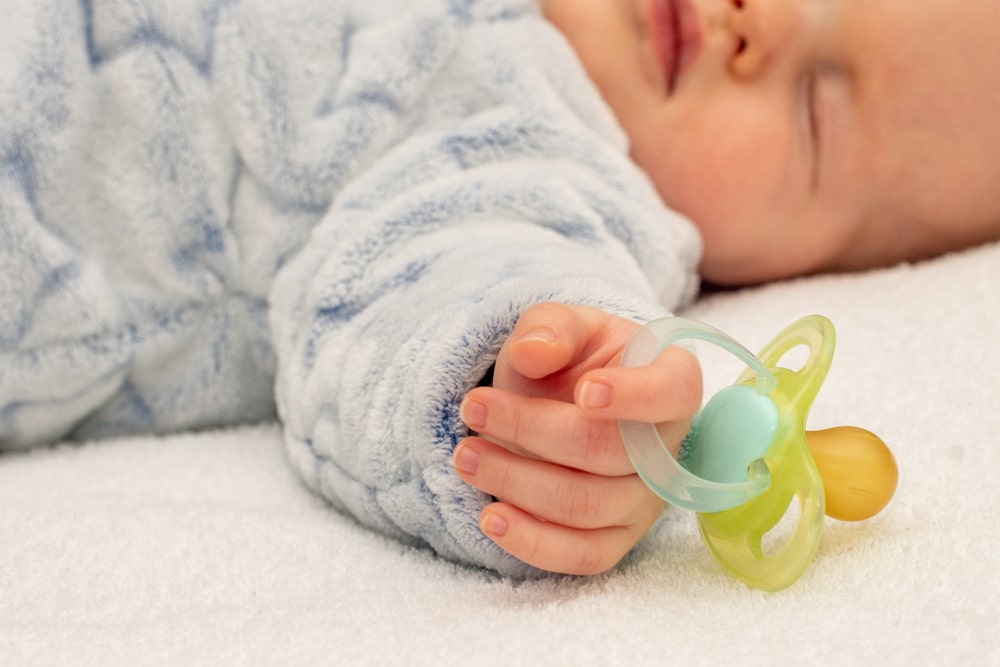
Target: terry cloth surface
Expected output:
[206,204]
[207,550]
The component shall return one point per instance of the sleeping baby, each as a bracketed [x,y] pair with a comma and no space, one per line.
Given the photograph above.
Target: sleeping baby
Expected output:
[394,225]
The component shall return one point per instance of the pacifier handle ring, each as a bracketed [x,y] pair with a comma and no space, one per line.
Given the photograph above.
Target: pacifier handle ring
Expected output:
[649,455]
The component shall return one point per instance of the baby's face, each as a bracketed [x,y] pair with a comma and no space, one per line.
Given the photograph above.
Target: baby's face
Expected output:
[806,135]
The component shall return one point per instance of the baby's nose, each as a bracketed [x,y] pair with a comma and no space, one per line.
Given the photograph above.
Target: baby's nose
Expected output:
[762,29]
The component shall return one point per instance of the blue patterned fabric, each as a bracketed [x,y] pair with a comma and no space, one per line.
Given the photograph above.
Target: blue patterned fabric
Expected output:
[215,211]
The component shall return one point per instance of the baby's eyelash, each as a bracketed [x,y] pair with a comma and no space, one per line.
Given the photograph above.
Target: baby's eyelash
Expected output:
[811,82]
[812,114]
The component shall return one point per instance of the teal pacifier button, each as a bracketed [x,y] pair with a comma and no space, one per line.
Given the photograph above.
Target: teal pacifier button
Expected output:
[734,429]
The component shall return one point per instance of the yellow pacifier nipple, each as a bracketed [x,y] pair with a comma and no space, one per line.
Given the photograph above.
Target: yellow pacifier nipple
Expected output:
[859,472]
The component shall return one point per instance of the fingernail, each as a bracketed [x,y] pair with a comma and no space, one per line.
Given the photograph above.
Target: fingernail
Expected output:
[542,334]
[467,459]
[474,414]
[595,394]
[494,525]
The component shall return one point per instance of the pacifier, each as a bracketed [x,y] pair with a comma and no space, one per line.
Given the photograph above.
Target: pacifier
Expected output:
[747,455]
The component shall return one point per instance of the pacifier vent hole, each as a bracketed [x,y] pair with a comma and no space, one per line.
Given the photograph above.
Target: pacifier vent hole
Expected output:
[795,358]
[775,539]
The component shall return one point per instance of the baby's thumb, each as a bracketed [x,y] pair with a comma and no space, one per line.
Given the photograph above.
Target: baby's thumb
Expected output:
[547,338]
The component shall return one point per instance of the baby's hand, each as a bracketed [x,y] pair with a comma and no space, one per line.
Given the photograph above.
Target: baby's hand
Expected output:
[548,446]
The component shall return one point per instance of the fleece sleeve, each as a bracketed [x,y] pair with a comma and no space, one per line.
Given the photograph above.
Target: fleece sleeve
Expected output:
[400,300]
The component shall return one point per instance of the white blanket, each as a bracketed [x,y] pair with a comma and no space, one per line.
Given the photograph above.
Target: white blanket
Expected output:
[207,549]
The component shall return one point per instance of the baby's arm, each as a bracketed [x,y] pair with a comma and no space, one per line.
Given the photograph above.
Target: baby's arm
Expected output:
[548,446]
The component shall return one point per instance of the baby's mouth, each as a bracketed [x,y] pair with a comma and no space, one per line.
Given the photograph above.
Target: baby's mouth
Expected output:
[676,36]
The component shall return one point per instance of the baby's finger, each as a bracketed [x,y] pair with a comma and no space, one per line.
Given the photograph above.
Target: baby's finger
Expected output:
[551,430]
[549,337]
[552,492]
[555,548]
[669,389]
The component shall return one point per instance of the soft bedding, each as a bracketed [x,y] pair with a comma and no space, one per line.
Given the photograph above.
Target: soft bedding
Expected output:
[206,549]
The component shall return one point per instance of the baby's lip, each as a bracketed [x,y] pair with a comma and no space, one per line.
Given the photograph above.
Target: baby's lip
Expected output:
[677,37]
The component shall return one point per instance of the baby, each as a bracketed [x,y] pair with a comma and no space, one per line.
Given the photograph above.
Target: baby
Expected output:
[859,134]
[345,214]
[799,137]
